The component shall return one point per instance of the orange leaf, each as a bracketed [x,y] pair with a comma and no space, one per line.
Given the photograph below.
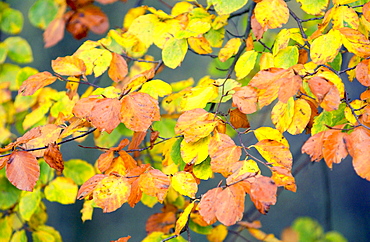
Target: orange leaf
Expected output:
[208,205]
[53,157]
[245,98]
[155,183]
[92,17]
[362,72]
[257,28]
[282,176]
[122,239]
[88,187]
[223,152]
[111,192]
[105,114]
[118,68]
[54,32]
[138,111]
[23,170]
[366,11]
[230,204]
[50,133]
[313,146]
[327,93]
[35,82]
[29,135]
[358,142]
[289,87]
[117,166]
[195,124]
[263,193]
[105,160]
[355,42]
[68,66]
[334,147]
[83,107]
[163,222]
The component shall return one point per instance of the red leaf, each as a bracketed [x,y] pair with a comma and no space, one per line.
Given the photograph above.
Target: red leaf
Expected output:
[23,170]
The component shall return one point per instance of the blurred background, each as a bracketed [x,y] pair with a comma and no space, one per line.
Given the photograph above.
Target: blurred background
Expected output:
[338,199]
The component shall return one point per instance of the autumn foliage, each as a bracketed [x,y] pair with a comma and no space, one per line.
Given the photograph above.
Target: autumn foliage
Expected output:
[191,131]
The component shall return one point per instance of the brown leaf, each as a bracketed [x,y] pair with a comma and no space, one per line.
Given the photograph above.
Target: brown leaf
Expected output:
[53,157]
[162,222]
[74,26]
[35,82]
[138,111]
[23,170]
[263,193]
[245,98]
[230,204]
[239,119]
[54,32]
[95,19]
[208,205]
[118,68]
[155,183]
[88,187]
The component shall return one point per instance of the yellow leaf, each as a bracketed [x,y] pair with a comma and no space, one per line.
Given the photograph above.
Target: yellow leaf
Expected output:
[301,117]
[272,13]
[282,114]
[62,190]
[242,170]
[195,124]
[270,133]
[355,104]
[183,219]
[281,41]
[68,66]
[266,61]
[326,47]
[352,63]
[344,16]
[174,52]
[333,78]
[355,42]
[163,31]
[340,2]
[184,183]
[314,7]
[195,153]
[111,192]
[275,153]
[245,64]
[181,7]
[230,49]
[132,14]
[200,45]
[156,88]
[199,96]
[218,233]
[143,27]
[87,210]
[96,60]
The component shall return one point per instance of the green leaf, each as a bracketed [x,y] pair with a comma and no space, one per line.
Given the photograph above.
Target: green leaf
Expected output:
[245,64]
[24,73]
[62,190]
[203,170]
[166,127]
[78,170]
[331,119]
[8,73]
[286,57]
[176,154]
[19,50]
[109,140]
[50,231]
[46,173]
[5,229]
[226,7]
[200,229]
[333,236]
[19,236]
[337,62]
[215,37]
[39,217]
[29,203]
[3,52]
[11,21]
[308,229]
[9,194]
[174,52]
[42,13]
[156,88]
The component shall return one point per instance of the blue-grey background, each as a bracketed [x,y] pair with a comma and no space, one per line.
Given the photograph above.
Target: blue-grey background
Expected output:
[339,191]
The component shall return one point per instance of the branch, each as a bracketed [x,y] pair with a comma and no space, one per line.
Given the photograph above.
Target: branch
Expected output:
[353,111]
[299,23]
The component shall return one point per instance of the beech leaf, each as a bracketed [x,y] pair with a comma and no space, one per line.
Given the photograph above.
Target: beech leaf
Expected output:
[184,182]
[35,82]
[68,66]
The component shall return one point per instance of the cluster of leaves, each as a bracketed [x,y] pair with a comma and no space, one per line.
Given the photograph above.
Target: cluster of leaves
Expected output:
[182,125]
